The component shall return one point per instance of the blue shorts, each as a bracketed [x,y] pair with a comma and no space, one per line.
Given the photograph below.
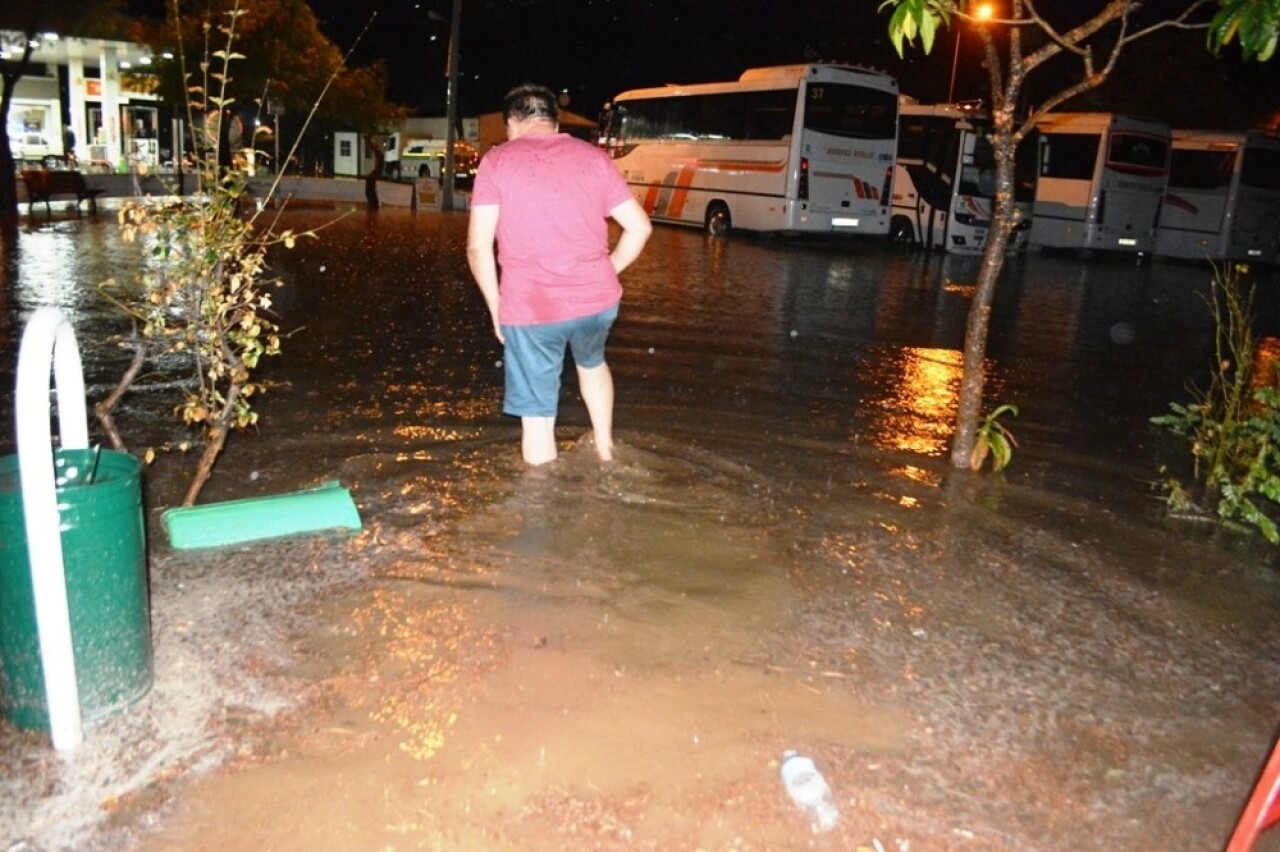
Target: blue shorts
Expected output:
[534,359]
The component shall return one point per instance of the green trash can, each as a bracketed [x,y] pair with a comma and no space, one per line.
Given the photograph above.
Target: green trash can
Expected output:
[104,559]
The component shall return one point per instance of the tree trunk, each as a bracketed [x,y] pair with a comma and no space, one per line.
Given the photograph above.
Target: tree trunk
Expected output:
[371,179]
[213,449]
[975,339]
[8,168]
[104,408]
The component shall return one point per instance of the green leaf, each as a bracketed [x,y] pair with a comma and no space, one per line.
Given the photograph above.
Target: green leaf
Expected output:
[928,27]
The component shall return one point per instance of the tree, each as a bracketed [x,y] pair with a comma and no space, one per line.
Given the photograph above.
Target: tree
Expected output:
[1091,37]
[284,57]
[205,295]
[22,24]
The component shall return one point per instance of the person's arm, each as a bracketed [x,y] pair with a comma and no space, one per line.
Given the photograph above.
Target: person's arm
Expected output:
[482,229]
[635,233]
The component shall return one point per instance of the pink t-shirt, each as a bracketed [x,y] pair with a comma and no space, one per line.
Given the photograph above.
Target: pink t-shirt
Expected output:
[554,194]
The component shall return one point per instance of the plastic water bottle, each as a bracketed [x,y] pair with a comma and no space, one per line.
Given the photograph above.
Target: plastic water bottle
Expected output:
[810,791]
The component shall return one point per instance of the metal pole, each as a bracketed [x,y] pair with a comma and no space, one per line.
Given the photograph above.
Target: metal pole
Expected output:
[451,109]
[955,62]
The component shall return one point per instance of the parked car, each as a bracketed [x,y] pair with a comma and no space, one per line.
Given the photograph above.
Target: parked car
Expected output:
[31,147]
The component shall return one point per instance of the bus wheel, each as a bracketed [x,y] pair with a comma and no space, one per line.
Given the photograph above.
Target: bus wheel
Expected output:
[901,232]
[718,222]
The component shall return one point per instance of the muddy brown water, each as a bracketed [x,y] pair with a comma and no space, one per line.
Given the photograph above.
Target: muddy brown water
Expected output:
[589,656]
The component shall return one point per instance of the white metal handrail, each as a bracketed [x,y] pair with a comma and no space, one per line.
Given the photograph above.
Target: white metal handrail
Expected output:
[49,340]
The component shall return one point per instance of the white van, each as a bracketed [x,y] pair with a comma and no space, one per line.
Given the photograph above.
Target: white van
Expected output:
[424,158]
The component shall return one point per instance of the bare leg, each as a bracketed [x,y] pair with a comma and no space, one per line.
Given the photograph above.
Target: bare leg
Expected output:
[538,439]
[596,385]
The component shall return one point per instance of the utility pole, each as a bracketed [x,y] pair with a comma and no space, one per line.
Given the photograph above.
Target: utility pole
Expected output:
[451,108]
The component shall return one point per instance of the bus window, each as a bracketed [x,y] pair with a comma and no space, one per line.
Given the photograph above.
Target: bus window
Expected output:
[1024,168]
[1138,151]
[913,141]
[979,177]
[1069,155]
[771,114]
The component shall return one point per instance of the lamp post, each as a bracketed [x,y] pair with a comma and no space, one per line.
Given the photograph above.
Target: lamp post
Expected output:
[983,12]
[451,109]
[275,109]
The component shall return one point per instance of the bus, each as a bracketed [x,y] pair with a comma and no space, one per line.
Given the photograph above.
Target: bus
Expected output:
[791,149]
[1223,200]
[1100,182]
[944,179]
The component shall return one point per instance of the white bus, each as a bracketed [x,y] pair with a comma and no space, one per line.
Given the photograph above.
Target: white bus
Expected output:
[1223,200]
[797,148]
[944,180]
[1100,182]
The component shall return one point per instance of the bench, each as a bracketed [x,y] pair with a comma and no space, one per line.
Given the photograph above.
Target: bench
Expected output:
[43,184]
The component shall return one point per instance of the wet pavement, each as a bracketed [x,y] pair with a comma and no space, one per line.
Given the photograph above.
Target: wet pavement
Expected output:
[591,656]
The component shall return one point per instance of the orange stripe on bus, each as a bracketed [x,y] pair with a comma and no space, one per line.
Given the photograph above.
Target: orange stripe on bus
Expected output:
[681,195]
[651,198]
[741,165]
[668,198]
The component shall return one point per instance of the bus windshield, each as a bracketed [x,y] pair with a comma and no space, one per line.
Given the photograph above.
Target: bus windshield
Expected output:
[854,112]
[1190,168]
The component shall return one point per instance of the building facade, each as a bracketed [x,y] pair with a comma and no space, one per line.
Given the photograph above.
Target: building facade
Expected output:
[88,101]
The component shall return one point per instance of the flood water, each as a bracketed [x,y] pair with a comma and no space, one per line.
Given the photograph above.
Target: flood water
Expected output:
[588,656]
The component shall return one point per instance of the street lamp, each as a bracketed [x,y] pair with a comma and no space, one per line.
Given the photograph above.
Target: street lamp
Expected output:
[983,12]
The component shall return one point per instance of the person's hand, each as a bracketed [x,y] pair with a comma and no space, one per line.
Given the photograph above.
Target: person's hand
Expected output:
[497,330]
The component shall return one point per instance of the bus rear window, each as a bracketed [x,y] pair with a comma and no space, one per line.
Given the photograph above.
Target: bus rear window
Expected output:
[853,112]
[1138,151]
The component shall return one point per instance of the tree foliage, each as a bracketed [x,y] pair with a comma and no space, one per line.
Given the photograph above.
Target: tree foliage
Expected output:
[286,58]
[89,18]
[1231,429]
[1253,23]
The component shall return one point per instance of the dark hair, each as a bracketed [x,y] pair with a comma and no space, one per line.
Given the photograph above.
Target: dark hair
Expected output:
[530,101]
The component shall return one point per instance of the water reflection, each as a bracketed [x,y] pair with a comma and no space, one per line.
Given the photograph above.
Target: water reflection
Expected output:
[924,393]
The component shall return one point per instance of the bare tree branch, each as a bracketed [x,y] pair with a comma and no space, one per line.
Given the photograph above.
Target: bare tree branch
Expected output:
[1034,17]
[1180,23]
[1114,10]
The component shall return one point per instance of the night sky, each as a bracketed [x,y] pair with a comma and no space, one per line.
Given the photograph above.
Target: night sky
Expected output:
[593,49]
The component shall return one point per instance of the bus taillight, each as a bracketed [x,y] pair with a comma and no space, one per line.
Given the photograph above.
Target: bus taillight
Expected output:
[885,196]
[802,185]
[1102,206]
